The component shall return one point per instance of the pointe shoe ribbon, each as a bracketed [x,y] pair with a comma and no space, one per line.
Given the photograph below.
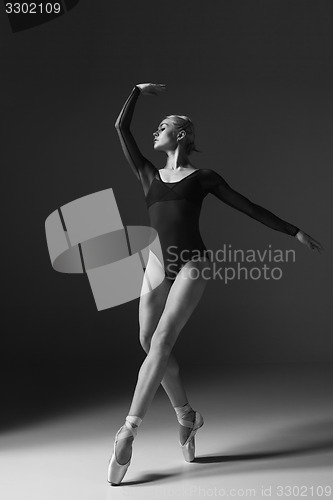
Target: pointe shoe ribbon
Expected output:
[188,448]
[117,471]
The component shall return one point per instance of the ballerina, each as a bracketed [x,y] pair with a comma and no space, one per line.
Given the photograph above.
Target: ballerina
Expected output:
[174,197]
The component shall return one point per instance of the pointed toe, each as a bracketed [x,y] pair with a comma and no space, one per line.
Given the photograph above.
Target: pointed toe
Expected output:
[188,448]
[116,471]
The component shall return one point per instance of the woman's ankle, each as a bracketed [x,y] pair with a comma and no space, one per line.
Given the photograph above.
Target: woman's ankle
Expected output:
[134,420]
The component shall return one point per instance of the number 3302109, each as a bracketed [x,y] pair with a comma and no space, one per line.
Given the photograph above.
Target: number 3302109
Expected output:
[33,8]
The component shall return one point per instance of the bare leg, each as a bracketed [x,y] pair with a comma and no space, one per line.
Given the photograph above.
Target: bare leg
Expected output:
[172,383]
[182,299]
[150,310]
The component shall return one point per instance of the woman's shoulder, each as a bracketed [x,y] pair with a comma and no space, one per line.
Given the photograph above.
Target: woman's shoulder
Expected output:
[209,174]
[210,179]
[207,171]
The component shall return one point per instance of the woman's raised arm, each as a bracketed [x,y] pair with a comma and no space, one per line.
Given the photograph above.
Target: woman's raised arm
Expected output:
[131,151]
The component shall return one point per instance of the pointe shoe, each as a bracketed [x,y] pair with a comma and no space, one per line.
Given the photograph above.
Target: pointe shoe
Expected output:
[188,448]
[117,471]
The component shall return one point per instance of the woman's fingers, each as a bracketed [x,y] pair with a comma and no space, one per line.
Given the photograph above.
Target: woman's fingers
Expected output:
[310,242]
[160,86]
[315,245]
[151,88]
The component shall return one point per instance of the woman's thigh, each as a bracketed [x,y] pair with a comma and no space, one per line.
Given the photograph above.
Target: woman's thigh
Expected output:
[151,307]
[182,299]
[152,303]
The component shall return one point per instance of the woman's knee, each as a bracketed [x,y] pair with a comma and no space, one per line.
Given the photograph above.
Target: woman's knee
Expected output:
[145,339]
[162,342]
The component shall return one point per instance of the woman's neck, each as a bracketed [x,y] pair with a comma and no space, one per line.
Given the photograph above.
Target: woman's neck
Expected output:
[177,160]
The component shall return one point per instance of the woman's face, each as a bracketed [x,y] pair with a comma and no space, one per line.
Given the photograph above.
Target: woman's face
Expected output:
[165,137]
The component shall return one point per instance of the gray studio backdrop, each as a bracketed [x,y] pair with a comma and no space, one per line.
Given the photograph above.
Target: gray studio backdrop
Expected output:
[256,78]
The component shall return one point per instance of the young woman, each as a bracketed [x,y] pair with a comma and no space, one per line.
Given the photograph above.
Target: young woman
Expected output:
[174,195]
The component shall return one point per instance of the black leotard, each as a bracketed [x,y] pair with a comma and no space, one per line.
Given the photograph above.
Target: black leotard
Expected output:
[174,207]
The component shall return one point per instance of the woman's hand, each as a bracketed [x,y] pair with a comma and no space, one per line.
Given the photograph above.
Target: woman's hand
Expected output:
[151,88]
[309,241]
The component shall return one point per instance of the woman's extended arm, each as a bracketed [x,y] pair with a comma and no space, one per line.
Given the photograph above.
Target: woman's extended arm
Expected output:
[131,151]
[135,158]
[216,185]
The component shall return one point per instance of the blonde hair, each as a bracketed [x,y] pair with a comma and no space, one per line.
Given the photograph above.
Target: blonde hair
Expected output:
[182,122]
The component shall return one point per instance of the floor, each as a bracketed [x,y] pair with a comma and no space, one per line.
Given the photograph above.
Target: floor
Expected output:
[268,432]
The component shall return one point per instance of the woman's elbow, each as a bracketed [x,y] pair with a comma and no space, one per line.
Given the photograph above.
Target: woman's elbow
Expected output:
[121,124]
